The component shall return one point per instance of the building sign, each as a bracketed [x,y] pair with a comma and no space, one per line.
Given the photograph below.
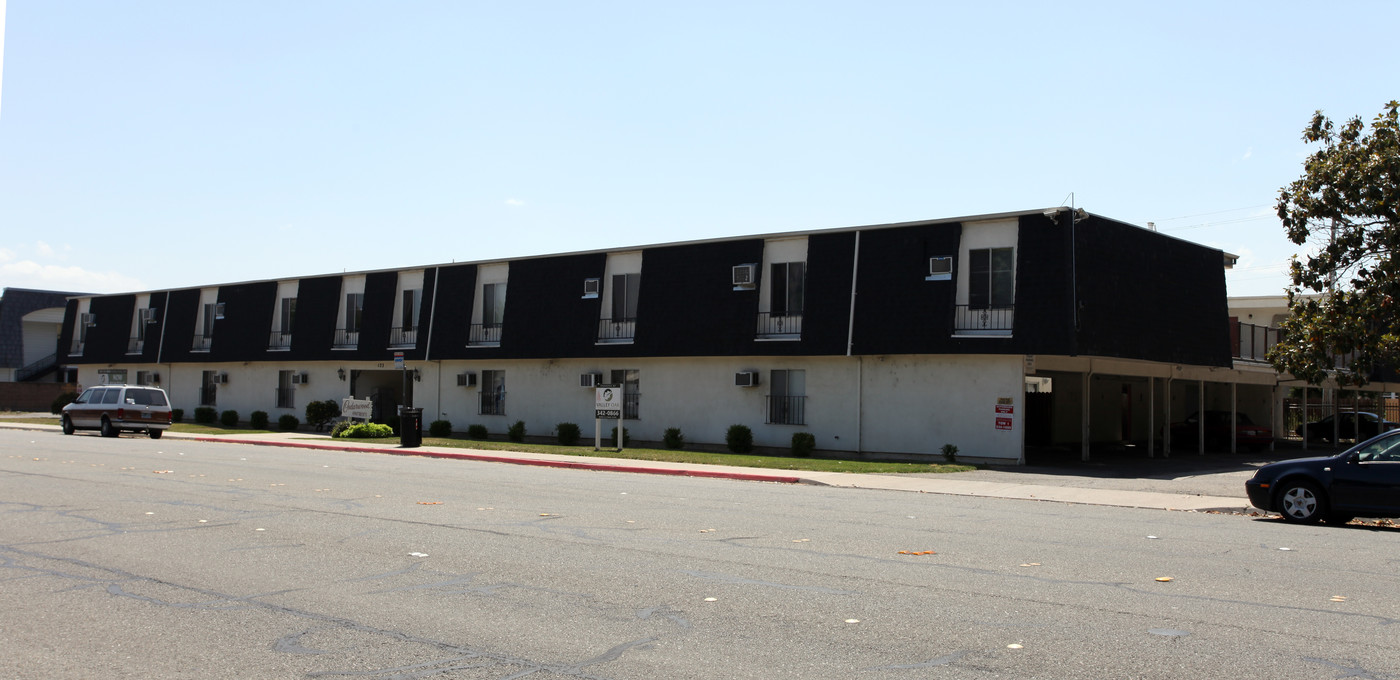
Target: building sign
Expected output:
[607,403]
[398,361]
[356,408]
[1005,412]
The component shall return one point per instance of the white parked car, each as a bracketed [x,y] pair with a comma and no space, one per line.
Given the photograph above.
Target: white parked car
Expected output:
[114,408]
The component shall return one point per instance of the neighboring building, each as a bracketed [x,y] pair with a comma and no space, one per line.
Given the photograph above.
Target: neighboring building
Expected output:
[995,333]
[29,324]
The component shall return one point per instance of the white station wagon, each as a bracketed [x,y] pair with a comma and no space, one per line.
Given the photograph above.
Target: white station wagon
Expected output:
[114,408]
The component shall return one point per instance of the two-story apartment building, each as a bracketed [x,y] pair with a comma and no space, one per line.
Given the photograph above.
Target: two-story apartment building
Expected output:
[995,333]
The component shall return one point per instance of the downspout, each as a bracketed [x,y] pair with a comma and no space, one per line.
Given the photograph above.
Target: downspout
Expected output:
[850,342]
[160,347]
[428,346]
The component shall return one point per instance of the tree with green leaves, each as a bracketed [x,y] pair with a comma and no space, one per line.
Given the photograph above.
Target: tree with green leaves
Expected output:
[1345,292]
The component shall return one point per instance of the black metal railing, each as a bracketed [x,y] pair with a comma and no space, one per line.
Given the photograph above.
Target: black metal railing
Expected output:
[201,342]
[631,405]
[346,338]
[617,330]
[484,334]
[208,395]
[493,403]
[990,319]
[403,336]
[279,340]
[787,410]
[135,345]
[779,324]
[284,397]
[1252,341]
[37,368]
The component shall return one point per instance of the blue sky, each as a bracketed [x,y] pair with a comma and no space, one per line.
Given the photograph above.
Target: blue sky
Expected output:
[154,145]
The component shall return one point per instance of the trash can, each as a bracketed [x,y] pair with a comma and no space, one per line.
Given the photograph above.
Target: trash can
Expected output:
[411,428]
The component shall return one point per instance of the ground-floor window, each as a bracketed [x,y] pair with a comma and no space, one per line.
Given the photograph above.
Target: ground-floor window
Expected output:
[493,393]
[208,389]
[631,382]
[787,397]
[285,391]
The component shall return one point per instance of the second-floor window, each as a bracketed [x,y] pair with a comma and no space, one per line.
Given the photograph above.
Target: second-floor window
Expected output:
[991,278]
[354,311]
[788,286]
[493,304]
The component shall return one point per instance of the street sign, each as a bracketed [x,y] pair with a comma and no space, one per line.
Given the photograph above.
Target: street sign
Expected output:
[607,403]
[398,361]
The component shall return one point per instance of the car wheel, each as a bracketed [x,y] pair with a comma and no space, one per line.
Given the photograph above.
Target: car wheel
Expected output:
[1302,502]
[67,425]
[155,434]
[107,429]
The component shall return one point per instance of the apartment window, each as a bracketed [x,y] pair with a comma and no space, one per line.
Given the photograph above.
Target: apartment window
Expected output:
[354,311]
[788,284]
[208,389]
[493,393]
[410,313]
[621,325]
[493,304]
[631,383]
[288,316]
[787,397]
[285,391]
[991,278]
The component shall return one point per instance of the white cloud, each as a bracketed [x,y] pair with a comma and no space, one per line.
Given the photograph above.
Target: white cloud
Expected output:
[44,249]
[6,255]
[1247,153]
[31,274]
[514,202]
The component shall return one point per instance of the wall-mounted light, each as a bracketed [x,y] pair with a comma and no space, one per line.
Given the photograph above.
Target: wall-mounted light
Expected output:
[341,372]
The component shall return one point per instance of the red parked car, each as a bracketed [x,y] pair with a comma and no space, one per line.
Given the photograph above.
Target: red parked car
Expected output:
[1248,436]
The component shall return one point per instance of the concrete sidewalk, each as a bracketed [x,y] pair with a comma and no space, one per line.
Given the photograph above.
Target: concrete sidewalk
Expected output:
[1062,487]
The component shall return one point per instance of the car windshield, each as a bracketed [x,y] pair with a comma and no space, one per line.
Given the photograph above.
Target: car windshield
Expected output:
[85,397]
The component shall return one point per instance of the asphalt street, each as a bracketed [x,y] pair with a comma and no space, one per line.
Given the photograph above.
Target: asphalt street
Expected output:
[178,559]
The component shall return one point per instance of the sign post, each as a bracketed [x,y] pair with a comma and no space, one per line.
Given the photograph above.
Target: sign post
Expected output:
[607,404]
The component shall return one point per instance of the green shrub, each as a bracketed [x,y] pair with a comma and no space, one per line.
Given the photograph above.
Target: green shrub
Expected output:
[340,427]
[950,453]
[367,431]
[177,415]
[673,438]
[440,428]
[318,413]
[288,422]
[258,420]
[803,443]
[206,415]
[626,437]
[739,439]
[568,433]
[229,418]
[62,400]
[476,432]
[516,432]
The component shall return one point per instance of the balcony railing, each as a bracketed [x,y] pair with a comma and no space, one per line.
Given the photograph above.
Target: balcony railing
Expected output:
[617,330]
[984,320]
[284,397]
[405,336]
[484,334]
[201,342]
[783,410]
[279,340]
[346,338]
[779,325]
[135,345]
[493,403]
[77,349]
[208,395]
[1252,341]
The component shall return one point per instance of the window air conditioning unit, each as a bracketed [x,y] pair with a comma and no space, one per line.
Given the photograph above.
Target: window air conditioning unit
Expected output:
[745,379]
[220,379]
[89,320]
[744,275]
[590,379]
[300,379]
[155,378]
[219,310]
[591,287]
[466,380]
[940,269]
[148,315]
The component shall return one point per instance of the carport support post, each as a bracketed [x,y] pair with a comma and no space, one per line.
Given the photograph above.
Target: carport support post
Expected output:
[1084,424]
[1200,417]
[1234,414]
[1151,416]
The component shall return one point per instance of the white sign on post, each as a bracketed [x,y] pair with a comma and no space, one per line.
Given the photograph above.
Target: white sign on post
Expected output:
[357,408]
[607,403]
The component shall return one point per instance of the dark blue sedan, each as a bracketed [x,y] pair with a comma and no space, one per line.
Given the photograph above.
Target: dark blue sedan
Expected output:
[1363,481]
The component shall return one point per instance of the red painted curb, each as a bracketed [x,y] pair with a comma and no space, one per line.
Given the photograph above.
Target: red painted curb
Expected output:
[516,461]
